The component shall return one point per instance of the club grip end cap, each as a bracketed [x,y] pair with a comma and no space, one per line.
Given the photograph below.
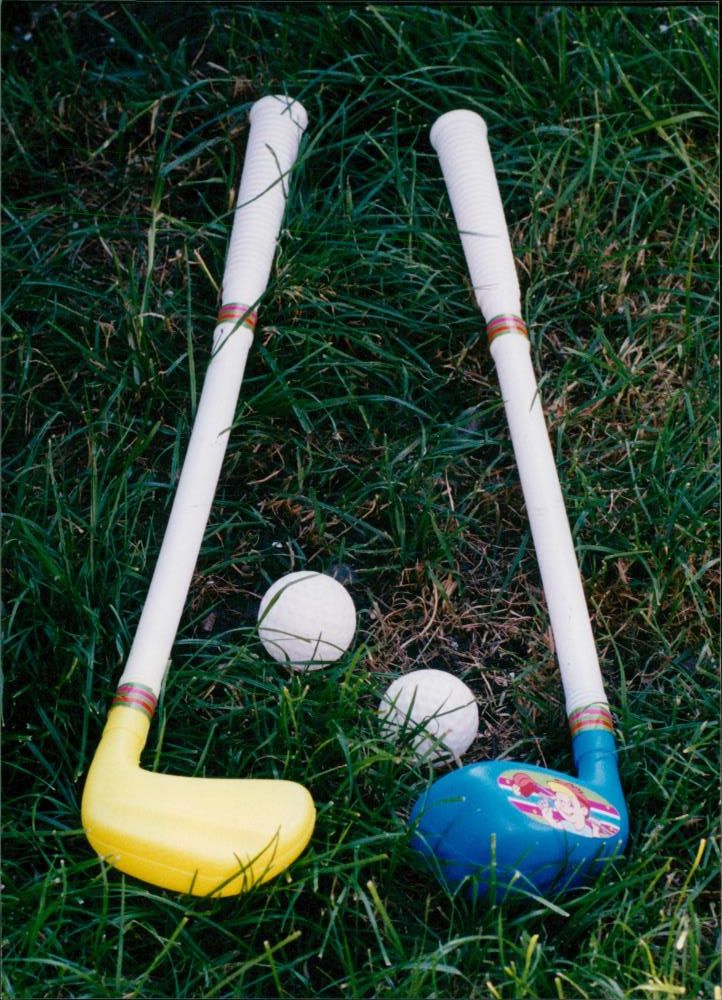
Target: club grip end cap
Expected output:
[462,118]
[278,104]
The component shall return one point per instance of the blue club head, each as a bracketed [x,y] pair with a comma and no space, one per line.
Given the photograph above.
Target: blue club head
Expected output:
[514,829]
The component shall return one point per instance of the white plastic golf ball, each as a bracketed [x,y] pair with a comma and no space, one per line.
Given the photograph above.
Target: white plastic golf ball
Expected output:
[306,620]
[437,708]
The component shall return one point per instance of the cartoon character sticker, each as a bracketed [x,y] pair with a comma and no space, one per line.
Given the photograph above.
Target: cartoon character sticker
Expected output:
[561,804]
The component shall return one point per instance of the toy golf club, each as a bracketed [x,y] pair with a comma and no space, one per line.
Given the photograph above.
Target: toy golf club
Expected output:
[513,828]
[206,836]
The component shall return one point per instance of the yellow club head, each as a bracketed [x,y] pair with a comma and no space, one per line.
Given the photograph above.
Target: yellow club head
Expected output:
[205,836]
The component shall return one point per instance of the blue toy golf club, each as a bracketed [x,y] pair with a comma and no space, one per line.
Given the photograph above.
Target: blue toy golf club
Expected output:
[510,829]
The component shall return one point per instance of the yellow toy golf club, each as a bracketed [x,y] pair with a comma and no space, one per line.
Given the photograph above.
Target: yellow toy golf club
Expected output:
[206,836]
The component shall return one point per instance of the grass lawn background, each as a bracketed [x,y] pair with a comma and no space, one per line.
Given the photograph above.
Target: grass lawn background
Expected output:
[370,441]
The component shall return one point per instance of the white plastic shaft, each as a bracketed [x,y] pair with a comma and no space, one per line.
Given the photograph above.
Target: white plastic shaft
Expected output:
[459,138]
[277,125]
[557,559]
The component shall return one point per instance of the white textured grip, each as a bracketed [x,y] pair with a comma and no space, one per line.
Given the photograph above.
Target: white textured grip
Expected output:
[459,139]
[276,128]
[277,124]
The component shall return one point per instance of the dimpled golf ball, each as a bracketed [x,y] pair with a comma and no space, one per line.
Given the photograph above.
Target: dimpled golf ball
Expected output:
[306,620]
[436,709]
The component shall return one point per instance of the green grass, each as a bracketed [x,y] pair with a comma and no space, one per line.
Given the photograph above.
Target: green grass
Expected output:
[370,436]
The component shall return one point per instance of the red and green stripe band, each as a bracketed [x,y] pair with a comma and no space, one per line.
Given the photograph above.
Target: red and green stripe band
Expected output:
[591,717]
[136,696]
[232,312]
[505,324]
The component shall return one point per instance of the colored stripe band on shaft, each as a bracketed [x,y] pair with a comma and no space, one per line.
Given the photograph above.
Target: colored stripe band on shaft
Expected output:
[136,696]
[231,312]
[591,717]
[505,324]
